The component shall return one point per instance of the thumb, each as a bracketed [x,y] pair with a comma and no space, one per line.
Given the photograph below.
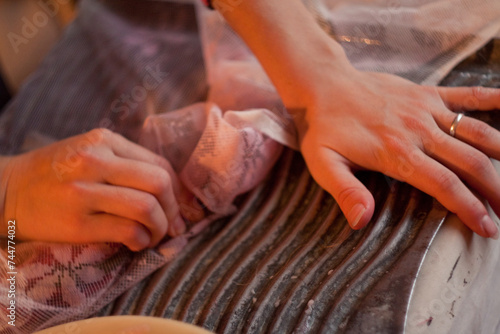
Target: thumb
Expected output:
[333,173]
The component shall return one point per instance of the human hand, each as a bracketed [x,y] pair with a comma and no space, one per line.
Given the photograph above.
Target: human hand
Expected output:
[95,187]
[356,120]
[349,120]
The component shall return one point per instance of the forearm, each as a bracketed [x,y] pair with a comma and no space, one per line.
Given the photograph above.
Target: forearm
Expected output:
[288,42]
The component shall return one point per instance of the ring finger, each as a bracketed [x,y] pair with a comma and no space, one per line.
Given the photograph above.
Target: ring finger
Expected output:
[473,132]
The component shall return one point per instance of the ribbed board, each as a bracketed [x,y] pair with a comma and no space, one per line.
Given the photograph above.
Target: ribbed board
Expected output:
[288,261]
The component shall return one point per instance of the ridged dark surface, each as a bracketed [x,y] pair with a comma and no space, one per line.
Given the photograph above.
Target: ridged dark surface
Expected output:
[288,263]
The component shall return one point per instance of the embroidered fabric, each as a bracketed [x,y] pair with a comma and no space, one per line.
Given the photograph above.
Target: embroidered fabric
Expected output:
[119,66]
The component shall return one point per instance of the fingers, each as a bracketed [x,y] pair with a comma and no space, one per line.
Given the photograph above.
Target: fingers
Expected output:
[333,173]
[130,204]
[109,228]
[470,98]
[133,166]
[438,181]
[472,166]
[104,189]
[149,179]
[473,132]
[126,149]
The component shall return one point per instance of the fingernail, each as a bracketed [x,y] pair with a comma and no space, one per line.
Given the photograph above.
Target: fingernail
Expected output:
[179,225]
[490,227]
[357,211]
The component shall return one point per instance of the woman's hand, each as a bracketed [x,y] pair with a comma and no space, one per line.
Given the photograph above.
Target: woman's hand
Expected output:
[349,120]
[95,187]
[381,122]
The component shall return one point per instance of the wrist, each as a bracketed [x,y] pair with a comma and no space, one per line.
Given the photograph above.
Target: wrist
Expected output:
[289,43]
[300,80]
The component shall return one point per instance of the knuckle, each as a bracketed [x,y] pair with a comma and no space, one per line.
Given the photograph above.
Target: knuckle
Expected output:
[476,207]
[430,142]
[161,161]
[102,132]
[347,196]
[471,211]
[481,132]
[96,136]
[86,153]
[390,152]
[162,181]
[89,159]
[77,190]
[446,181]
[146,206]
[413,122]
[480,92]
[133,236]
[477,163]
[395,144]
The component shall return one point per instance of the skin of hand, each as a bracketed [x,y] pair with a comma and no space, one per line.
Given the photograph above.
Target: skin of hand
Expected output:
[350,120]
[94,187]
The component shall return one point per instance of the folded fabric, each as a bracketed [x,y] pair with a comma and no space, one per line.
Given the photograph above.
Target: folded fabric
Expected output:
[221,148]
[218,156]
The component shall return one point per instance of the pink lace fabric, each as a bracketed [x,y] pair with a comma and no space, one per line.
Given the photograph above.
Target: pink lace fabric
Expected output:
[220,149]
[218,155]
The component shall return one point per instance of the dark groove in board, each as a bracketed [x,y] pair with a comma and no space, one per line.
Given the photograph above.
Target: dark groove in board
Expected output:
[265,244]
